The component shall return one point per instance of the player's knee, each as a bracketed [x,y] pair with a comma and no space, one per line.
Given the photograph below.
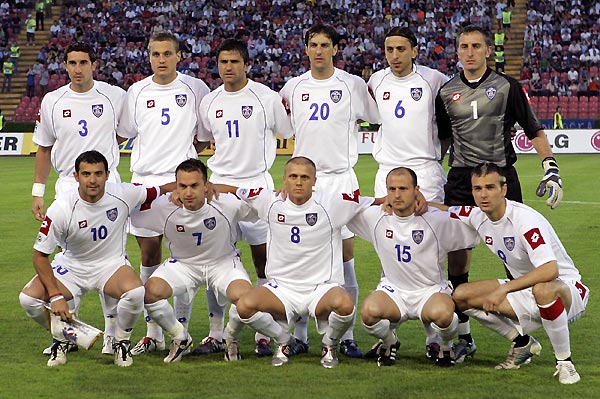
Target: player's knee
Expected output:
[155,290]
[544,292]
[134,299]
[460,297]
[244,307]
[29,302]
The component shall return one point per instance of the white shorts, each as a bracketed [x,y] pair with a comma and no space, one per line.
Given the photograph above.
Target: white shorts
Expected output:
[430,178]
[411,303]
[345,182]
[185,279]
[255,233]
[299,302]
[78,280]
[64,184]
[149,181]
[525,307]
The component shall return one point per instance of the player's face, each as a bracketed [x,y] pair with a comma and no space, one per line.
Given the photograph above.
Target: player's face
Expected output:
[299,181]
[191,189]
[489,194]
[92,180]
[81,71]
[402,195]
[473,54]
[232,70]
[163,60]
[320,51]
[399,54]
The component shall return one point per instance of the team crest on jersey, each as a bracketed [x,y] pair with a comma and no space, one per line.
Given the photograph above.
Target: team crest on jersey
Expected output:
[416,93]
[489,240]
[386,95]
[112,214]
[181,99]
[150,104]
[82,224]
[389,234]
[219,113]
[305,96]
[336,95]
[180,228]
[97,110]
[509,243]
[417,236]
[210,223]
[456,96]
[311,219]
[66,113]
[281,218]
[490,92]
[247,111]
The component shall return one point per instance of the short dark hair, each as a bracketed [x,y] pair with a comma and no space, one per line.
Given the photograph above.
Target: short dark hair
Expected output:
[326,30]
[164,36]
[91,157]
[301,161]
[193,165]
[403,32]
[82,47]
[486,168]
[487,36]
[400,171]
[235,45]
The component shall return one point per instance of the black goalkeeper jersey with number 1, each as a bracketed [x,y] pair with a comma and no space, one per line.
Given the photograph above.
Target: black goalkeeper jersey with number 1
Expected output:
[478,117]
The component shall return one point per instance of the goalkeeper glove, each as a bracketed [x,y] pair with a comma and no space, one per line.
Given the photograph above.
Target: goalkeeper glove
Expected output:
[551,182]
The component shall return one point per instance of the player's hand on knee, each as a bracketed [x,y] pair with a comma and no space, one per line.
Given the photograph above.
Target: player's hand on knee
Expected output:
[551,182]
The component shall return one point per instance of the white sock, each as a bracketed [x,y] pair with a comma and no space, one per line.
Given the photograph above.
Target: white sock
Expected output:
[183,310]
[34,308]
[162,313]
[109,307]
[153,330]
[382,330]
[234,325]
[216,316]
[556,323]
[336,327]
[301,329]
[258,336]
[265,324]
[129,308]
[431,335]
[447,334]
[502,325]
[351,286]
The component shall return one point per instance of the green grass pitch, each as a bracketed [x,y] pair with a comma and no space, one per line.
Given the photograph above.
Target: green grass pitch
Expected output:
[88,374]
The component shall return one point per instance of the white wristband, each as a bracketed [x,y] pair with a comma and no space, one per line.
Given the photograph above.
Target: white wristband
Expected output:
[56,298]
[38,190]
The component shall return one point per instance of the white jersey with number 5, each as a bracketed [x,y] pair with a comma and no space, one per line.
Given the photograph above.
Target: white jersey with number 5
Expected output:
[243,125]
[74,122]
[304,246]
[324,115]
[164,120]
[523,239]
[408,135]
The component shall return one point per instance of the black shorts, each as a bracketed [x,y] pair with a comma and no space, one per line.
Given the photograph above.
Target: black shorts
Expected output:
[457,190]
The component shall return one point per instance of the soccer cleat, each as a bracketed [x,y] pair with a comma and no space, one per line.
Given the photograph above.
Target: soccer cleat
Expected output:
[262,348]
[48,350]
[123,355]
[232,352]
[299,347]
[566,372]
[282,355]
[107,345]
[387,356]
[209,345]
[445,359]
[58,353]
[432,351]
[373,353]
[463,349]
[518,356]
[349,347]
[179,347]
[147,345]
[329,358]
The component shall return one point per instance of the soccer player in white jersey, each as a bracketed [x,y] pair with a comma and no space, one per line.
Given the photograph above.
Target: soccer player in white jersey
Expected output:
[325,104]
[412,250]
[304,261]
[201,237]
[80,116]
[90,224]
[546,289]
[242,117]
[161,112]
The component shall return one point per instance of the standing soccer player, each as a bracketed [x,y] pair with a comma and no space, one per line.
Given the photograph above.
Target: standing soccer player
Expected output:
[476,110]
[325,104]
[546,289]
[161,112]
[90,224]
[80,116]
[242,117]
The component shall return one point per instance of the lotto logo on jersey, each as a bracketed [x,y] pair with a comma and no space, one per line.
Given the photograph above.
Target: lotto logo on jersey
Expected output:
[534,238]
[181,99]
[180,228]
[219,113]
[489,240]
[509,243]
[97,110]
[335,95]
[389,234]
[456,96]
[386,95]
[247,111]
[416,93]
[281,218]
[66,113]
[490,92]
[305,97]
[417,236]
[311,219]
[210,223]
[150,104]
[82,224]
[45,227]
[112,214]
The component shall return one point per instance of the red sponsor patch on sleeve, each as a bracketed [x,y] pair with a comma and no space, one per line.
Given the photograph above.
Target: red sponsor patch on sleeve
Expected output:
[534,238]
[151,194]
[254,192]
[45,227]
[352,196]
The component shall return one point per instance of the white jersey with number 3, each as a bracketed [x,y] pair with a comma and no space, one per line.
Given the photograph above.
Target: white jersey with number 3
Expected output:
[164,120]
[324,115]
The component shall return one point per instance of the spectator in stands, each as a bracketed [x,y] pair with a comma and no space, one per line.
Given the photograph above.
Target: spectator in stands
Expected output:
[44,79]
[30,87]
[558,123]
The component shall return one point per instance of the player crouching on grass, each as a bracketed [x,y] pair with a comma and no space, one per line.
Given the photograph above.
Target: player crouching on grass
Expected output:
[546,289]
[90,225]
